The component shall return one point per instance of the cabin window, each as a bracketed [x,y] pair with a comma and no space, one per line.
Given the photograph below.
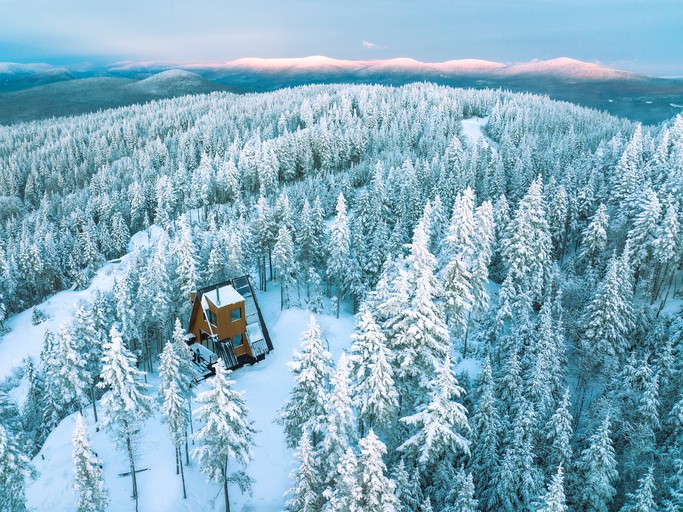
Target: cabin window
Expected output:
[235,314]
[211,317]
[237,340]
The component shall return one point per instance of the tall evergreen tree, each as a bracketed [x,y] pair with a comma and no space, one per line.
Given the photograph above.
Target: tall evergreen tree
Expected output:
[227,435]
[377,490]
[14,467]
[125,405]
[339,262]
[305,495]
[441,423]
[88,481]
[642,500]
[554,499]
[374,390]
[597,466]
[311,369]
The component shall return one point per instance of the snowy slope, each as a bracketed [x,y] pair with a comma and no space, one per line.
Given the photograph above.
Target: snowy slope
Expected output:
[25,339]
[267,387]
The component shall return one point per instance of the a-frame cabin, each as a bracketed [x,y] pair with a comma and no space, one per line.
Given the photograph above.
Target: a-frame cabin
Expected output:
[227,320]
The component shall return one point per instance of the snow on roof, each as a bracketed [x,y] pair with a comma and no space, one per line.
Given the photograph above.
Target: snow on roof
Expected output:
[224,296]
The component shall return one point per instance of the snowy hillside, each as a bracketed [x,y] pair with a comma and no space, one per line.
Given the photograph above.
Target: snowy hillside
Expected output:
[474,298]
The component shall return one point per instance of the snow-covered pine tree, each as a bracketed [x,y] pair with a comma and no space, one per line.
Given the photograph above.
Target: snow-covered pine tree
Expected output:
[597,467]
[518,479]
[311,369]
[14,467]
[408,489]
[374,391]
[284,264]
[457,298]
[558,435]
[527,245]
[554,498]
[420,341]
[185,252]
[674,499]
[339,262]
[608,320]
[174,402]
[484,236]
[73,378]
[227,435]
[377,492]
[461,497]
[594,236]
[305,494]
[345,495]
[339,421]
[486,430]
[439,425]
[643,235]
[643,499]
[667,250]
[89,343]
[88,482]
[125,405]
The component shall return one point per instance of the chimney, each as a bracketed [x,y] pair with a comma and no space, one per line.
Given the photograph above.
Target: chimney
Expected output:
[218,296]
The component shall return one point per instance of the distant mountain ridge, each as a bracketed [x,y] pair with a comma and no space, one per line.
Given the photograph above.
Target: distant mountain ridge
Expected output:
[640,97]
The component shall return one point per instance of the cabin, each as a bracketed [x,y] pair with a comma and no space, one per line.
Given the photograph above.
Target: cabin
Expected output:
[226,322]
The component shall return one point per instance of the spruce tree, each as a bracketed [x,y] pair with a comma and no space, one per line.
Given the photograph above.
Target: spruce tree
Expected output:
[305,494]
[554,499]
[125,405]
[440,424]
[88,481]
[174,402]
[339,420]
[486,429]
[283,261]
[227,435]
[345,495]
[374,391]
[642,500]
[14,467]
[377,491]
[311,369]
[339,262]
[597,467]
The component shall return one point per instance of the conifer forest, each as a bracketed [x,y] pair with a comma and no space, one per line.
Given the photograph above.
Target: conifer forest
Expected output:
[510,268]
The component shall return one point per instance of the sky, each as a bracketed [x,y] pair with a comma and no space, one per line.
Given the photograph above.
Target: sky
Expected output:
[641,36]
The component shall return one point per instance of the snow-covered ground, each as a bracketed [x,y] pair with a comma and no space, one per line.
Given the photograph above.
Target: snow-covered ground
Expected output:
[25,339]
[267,386]
[472,128]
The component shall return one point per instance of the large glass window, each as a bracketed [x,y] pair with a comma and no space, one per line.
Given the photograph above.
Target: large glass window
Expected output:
[235,314]
[237,340]
[211,317]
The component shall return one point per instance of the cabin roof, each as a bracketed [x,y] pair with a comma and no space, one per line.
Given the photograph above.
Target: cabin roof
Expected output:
[223,296]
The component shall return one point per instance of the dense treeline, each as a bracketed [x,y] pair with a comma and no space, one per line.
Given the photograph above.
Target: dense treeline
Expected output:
[574,214]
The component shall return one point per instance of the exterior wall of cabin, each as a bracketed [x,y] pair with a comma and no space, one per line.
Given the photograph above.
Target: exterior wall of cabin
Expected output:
[226,328]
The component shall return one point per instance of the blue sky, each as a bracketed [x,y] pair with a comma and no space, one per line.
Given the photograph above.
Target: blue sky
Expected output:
[645,36]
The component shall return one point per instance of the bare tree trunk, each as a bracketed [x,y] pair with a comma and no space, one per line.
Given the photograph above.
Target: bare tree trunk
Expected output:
[225,488]
[182,472]
[131,460]
[94,403]
[338,297]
